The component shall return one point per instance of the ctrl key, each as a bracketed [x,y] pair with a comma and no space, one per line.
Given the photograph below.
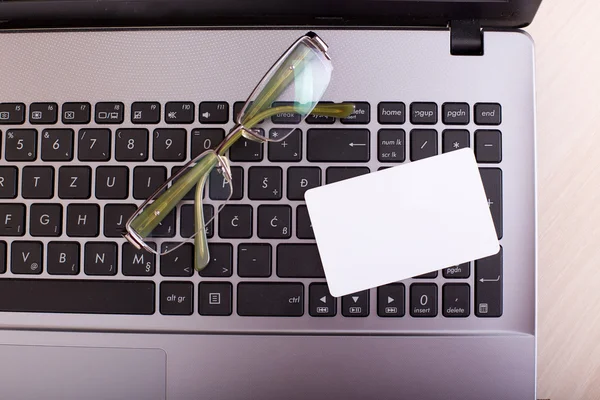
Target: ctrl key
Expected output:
[176,298]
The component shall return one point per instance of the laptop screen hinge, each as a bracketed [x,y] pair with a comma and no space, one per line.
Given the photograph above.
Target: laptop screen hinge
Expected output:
[466,38]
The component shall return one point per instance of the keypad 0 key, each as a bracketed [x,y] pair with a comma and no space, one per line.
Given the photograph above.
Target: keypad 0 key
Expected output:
[299,261]
[8,182]
[12,113]
[57,144]
[338,145]
[488,286]
[221,261]
[63,258]
[270,299]
[100,258]
[37,183]
[423,300]
[20,145]
[26,257]
[215,298]
[94,145]
[12,219]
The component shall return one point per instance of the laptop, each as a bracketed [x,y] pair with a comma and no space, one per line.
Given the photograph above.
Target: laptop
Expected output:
[88,88]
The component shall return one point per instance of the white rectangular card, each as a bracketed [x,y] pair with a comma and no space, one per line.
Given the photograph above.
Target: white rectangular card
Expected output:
[401,222]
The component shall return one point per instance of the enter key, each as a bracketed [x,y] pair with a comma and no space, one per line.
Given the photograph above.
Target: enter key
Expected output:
[488,286]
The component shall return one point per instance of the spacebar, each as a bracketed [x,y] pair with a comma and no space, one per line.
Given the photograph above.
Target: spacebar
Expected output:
[77,296]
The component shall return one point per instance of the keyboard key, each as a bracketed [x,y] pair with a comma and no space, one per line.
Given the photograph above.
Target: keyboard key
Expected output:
[179,112]
[455,113]
[116,217]
[206,139]
[304,229]
[454,139]
[338,145]
[391,145]
[109,113]
[192,193]
[254,260]
[423,113]
[45,220]
[136,262]
[214,112]
[188,220]
[12,219]
[131,145]
[100,258]
[43,113]
[270,299]
[265,183]
[2,257]
[488,146]
[8,182]
[299,261]
[423,300]
[300,179]
[94,145]
[76,113]
[235,221]
[57,144]
[289,149]
[488,114]
[145,112]
[336,174]
[391,113]
[285,117]
[274,222]
[221,261]
[112,183]
[461,271]
[74,182]
[176,298]
[146,180]
[12,113]
[361,114]
[85,296]
[320,119]
[246,150]
[356,304]
[26,257]
[169,144]
[492,183]
[456,300]
[221,189]
[215,298]
[166,228]
[83,220]
[20,145]
[179,262]
[63,258]
[430,275]
[488,286]
[390,300]
[320,302]
[37,183]
[423,144]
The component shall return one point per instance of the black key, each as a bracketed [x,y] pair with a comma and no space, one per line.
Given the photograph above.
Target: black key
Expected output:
[12,113]
[254,260]
[390,300]
[336,174]
[145,112]
[423,300]
[285,117]
[430,275]
[423,113]
[288,149]
[45,220]
[361,114]
[20,145]
[131,145]
[488,114]
[100,258]
[488,286]
[74,182]
[274,222]
[454,139]
[188,220]
[179,112]
[169,144]
[94,145]
[235,221]
[43,113]
[246,150]
[393,113]
[8,182]
[85,296]
[391,145]
[146,180]
[112,182]
[320,119]
[221,189]
[456,300]
[423,144]
[83,220]
[12,219]
[191,195]
[57,144]
[488,146]
[304,229]
[109,113]
[299,261]
[338,145]
[116,217]
[221,261]
[206,139]
[165,228]
[76,113]
[179,262]
[176,298]
[461,271]
[37,183]
[214,112]
[455,113]
[63,258]
[492,183]
[265,183]
[320,302]
[26,257]
[270,299]
[356,304]
[215,298]
[300,179]
[136,262]
[2,257]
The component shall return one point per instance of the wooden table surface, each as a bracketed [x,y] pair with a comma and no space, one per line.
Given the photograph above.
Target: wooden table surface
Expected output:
[567,36]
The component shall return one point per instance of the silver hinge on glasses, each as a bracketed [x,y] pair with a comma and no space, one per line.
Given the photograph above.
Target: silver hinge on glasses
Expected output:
[466,38]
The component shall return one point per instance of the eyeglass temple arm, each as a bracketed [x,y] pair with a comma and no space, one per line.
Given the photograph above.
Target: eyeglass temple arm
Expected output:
[201,253]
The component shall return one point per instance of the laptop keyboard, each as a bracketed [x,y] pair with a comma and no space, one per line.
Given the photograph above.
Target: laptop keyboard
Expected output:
[70,181]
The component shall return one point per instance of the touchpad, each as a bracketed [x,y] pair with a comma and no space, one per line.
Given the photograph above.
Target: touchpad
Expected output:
[47,372]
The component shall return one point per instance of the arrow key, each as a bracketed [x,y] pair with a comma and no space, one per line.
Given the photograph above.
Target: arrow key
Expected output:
[390,300]
[220,264]
[356,304]
[320,302]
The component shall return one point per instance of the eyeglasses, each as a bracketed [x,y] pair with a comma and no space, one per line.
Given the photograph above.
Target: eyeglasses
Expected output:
[291,89]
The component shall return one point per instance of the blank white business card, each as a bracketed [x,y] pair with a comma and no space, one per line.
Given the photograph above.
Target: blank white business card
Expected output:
[401,222]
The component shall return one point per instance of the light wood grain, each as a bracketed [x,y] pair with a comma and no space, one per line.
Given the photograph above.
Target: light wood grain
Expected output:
[567,36]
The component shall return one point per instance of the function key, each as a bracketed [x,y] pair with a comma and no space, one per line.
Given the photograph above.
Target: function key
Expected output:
[455,113]
[145,112]
[423,113]
[76,113]
[488,114]
[361,114]
[12,113]
[214,112]
[391,113]
[320,119]
[237,108]
[20,145]
[179,112]
[43,113]
[109,113]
